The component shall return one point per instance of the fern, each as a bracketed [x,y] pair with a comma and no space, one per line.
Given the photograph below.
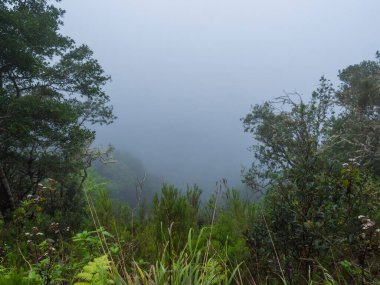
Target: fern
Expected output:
[95,272]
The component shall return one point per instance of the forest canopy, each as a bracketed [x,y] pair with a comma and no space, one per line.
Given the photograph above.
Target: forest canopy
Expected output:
[51,90]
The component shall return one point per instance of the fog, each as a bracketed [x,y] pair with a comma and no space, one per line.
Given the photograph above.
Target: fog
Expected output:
[185,71]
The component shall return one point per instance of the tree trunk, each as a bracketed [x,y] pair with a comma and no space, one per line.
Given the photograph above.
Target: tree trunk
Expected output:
[7,204]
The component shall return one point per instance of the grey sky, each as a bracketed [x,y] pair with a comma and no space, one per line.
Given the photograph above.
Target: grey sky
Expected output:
[185,71]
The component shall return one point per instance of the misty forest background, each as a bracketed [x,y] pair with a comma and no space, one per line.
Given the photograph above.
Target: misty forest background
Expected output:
[304,211]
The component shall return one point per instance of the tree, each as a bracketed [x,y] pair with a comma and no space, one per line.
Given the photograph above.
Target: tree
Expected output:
[289,135]
[357,130]
[174,214]
[290,153]
[51,91]
[315,162]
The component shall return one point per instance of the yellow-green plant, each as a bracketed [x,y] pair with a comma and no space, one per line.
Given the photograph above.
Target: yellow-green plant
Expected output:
[96,272]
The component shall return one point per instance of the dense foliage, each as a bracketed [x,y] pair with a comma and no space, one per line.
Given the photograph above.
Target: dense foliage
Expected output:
[316,166]
[50,90]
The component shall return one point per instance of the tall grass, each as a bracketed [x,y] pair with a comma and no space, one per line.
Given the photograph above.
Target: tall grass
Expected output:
[194,264]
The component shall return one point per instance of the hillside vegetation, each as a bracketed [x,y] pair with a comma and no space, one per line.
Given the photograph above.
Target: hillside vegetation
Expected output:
[127,178]
[316,169]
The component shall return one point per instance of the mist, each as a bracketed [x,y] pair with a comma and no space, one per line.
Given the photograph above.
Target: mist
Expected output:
[185,72]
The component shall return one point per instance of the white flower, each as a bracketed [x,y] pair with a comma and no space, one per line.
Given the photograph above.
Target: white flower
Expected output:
[368,224]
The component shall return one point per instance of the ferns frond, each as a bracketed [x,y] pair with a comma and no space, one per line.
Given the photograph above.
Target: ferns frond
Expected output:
[96,272]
